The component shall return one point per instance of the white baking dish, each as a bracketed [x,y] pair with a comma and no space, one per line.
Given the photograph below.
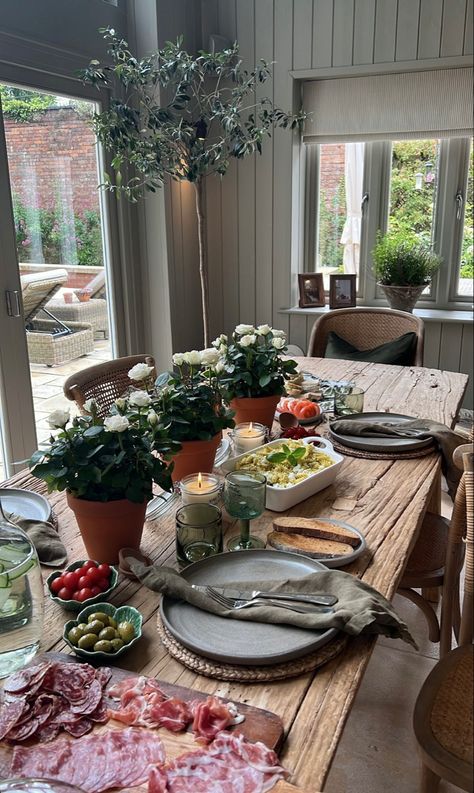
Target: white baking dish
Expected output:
[281,498]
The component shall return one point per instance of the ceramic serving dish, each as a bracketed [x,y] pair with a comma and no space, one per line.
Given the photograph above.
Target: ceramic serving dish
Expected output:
[73,605]
[120,614]
[280,499]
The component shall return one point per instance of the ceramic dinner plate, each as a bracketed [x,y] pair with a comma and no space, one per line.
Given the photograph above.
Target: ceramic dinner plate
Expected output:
[380,444]
[240,642]
[25,503]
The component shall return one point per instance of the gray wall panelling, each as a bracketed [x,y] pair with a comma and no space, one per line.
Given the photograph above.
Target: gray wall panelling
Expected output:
[323,13]
[385,31]
[364,20]
[407,30]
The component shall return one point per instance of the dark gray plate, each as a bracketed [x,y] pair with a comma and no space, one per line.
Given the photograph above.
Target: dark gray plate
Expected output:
[239,642]
[380,444]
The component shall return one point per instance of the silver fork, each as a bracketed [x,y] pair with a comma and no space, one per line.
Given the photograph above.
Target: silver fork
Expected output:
[314,599]
[236,605]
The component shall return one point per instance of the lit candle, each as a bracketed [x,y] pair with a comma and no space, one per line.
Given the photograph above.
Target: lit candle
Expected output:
[200,489]
[248,436]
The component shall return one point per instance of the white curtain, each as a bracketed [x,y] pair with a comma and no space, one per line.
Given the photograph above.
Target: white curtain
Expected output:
[350,237]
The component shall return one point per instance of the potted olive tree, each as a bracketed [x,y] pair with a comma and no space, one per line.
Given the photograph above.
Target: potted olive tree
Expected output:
[183,116]
[404,267]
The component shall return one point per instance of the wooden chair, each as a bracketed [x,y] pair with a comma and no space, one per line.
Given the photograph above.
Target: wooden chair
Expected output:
[443,717]
[104,382]
[438,542]
[366,328]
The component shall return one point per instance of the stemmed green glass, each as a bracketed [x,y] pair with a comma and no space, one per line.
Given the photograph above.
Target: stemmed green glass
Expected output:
[244,498]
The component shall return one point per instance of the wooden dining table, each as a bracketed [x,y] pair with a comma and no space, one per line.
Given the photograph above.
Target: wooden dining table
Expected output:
[385,498]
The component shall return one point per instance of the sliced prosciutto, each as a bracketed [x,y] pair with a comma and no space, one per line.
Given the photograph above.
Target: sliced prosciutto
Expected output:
[229,765]
[210,717]
[116,758]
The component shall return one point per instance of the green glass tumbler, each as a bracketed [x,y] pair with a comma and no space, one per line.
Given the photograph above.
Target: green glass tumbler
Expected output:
[198,532]
[244,498]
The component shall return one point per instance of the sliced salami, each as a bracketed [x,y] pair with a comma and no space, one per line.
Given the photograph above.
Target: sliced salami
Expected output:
[26,679]
[10,714]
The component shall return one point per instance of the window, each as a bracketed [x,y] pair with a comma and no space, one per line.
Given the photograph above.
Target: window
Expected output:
[419,187]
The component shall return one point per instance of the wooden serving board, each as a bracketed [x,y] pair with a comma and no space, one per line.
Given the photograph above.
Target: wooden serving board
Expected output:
[259,724]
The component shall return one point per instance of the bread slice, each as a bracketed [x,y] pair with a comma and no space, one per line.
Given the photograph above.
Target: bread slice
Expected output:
[313,527]
[314,547]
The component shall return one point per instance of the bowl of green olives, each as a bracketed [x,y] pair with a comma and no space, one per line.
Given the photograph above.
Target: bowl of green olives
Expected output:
[102,631]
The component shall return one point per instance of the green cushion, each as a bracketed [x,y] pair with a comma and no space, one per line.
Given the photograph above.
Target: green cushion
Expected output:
[399,351]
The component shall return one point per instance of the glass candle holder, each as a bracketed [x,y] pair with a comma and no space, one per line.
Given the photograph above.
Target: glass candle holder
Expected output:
[248,436]
[199,488]
[351,402]
[198,532]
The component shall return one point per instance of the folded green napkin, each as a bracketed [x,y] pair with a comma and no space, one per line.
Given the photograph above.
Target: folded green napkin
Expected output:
[43,535]
[360,609]
[445,439]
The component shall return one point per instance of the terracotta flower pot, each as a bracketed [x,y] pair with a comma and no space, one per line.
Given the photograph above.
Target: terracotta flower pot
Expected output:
[108,526]
[402,298]
[258,409]
[195,456]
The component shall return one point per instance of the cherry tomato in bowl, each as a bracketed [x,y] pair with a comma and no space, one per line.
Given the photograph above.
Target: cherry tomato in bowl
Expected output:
[82,584]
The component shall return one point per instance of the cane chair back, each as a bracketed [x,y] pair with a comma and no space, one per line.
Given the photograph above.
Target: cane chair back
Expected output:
[443,717]
[104,382]
[366,328]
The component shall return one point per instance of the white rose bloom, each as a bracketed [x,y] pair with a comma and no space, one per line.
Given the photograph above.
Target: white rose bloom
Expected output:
[58,419]
[192,358]
[116,423]
[263,330]
[278,334]
[140,371]
[139,399]
[242,330]
[219,367]
[89,405]
[152,417]
[278,343]
[178,358]
[220,341]
[247,341]
[120,403]
[210,356]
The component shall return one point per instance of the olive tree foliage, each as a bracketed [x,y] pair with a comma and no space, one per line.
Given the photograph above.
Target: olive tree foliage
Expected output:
[181,115]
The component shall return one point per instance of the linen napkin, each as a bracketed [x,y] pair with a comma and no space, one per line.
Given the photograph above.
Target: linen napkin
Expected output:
[360,608]
[445,439]
[51,551]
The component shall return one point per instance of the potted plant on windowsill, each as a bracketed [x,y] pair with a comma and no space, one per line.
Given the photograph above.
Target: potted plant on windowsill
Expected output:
[107,467]
[404,267]
[255,371]
[189,403]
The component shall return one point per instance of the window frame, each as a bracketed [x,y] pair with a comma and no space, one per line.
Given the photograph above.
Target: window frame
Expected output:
[447,228]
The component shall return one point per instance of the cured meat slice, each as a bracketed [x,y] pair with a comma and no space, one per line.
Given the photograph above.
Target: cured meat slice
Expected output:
[173,714]
[128,683]
[89,702]
[26,679]
[10,714]
[70,680]
[81,726]
[103,674]
[229,765]
[210,717]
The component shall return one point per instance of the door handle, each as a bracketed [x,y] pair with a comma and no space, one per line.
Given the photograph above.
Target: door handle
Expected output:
[365,200]
[12,298]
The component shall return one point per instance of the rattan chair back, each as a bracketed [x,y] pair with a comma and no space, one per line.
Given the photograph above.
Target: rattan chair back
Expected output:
[366,328]
[38,288]
[104,382]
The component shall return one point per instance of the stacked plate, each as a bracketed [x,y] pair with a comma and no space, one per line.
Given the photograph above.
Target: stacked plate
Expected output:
[380,443]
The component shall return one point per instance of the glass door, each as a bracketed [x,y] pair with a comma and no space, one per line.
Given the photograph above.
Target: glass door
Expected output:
[57,260]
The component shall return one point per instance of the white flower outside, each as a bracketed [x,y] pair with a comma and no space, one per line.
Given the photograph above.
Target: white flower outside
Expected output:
[58,419]
[116,423]
[248,340]
[178,358]
[243,330]
[140,372]
[209,356]
[278,343]
[139,399]
[263,330]
[192,358]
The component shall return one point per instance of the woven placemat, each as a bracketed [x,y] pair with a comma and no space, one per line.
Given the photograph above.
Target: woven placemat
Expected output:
[249,674]
[350,452]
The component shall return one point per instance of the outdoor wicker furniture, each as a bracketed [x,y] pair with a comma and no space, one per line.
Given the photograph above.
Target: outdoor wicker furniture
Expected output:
[104,382]
[366,328]
[50,341]
[92,311]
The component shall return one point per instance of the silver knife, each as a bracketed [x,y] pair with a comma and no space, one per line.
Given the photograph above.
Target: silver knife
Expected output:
[238,594]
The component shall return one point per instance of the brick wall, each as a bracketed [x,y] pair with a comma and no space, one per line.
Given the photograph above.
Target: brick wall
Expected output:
[331,168]
[53,154]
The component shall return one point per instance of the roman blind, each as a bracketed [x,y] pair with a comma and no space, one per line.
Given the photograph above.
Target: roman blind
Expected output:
[434,104]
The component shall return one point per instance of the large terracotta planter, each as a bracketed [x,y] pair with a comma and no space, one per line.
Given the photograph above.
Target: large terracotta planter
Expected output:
[108,526]
[402,298]
[195,456]
[257,409]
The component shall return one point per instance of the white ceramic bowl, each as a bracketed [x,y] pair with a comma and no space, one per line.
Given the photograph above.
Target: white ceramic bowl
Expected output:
[280,499]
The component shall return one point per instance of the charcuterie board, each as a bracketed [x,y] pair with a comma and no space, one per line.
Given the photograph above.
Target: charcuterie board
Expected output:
[259,725]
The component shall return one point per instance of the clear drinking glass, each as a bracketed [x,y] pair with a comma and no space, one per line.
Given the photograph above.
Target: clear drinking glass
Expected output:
[21,598]
[198,532]
[350,402]
[244,498]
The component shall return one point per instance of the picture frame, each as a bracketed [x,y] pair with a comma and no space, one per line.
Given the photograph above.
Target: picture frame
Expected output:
[342,290]
[311,289]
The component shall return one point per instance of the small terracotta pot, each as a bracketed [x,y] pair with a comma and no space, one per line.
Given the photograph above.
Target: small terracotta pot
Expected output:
[68,297]
[108,526]
[195,456]
[257,409]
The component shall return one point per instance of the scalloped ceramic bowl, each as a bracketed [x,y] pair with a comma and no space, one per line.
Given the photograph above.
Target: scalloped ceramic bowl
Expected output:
[119,613]
[73,605]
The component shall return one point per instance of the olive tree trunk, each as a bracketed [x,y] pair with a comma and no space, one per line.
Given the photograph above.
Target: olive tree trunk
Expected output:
[203,272]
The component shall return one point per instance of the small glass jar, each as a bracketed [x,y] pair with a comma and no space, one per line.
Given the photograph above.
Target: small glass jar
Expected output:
[198,532]
[248,436]
[199,488]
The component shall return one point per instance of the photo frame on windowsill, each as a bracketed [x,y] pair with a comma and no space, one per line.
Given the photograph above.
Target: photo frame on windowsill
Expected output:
[342,290]
[311,288]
